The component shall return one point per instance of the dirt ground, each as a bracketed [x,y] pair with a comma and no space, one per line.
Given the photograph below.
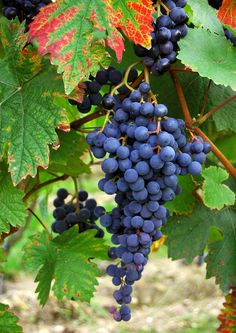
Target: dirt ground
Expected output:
[170,297]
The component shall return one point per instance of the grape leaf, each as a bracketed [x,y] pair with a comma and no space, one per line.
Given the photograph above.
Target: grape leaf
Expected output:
[184,202]
[225,118]
[67,159]
[66,262]
[28,117]
[205,16]
[222,253]
[215,56]
[215,194]
[227,13]
[225,145]
[135,18]
[12,209]
[187,236]
[75,32]
[8,321]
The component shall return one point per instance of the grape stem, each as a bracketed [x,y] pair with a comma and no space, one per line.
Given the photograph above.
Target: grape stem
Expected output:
[125,79]
[134,85]
[146,75]
[76,193]
[190,123]
[147,79]
[39,220]
[78,123]
[165,7]
[105,121]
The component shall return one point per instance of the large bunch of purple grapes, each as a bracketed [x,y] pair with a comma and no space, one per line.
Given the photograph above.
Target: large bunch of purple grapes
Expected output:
[93,95]
[169,28]
[147,151]
[84,213]
[23,9]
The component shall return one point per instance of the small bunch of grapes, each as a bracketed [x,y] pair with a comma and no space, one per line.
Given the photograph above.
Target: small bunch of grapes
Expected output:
[93,95]
[169,28]
[215,3]
[84,213]
[147,151]
[23,9]
[230,36]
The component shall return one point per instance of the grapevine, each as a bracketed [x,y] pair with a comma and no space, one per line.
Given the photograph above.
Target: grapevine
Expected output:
[126,110]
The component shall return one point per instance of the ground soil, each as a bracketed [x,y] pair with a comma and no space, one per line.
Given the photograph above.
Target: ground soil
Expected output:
[170,297]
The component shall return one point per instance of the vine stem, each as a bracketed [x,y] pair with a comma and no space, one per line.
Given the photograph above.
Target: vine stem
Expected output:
[38,219]
[183,70]
[205,98]
[7,234]
[78,123]
[182,100]
[39,186]
[202,119]
[217,152]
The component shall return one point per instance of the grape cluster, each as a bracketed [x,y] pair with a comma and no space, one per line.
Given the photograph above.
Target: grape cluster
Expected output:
[23,9]
[169,28]
[67,215]
[147,152]
[93,95]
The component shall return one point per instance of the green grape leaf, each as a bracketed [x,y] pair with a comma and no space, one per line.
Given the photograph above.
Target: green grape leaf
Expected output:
[215,56]
[68,158]
[28,117]
[75,33]
[184,202]
[65,263]
[222,253]
[8,321]
[215,194]
[205,16]
[12,209]
[187,236]
[225,117]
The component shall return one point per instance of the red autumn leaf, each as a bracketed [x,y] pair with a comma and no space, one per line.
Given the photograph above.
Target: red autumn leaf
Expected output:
[228,314]
[227,13]
[75,33]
